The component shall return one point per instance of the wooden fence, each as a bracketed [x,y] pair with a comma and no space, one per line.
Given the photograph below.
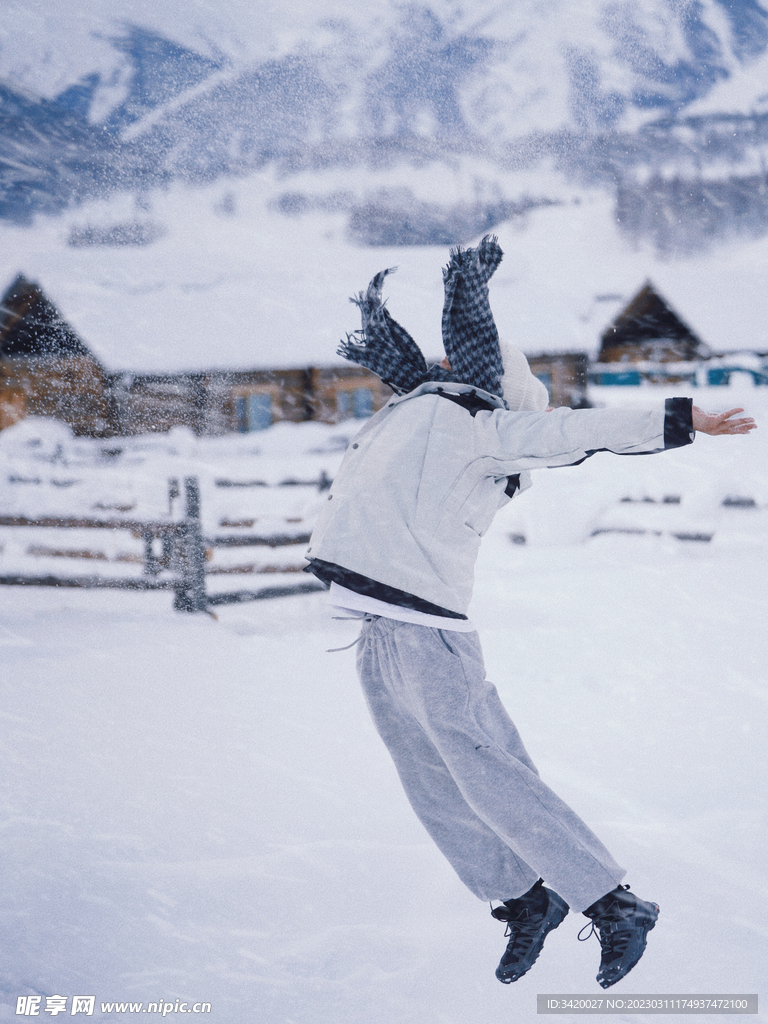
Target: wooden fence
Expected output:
[183,554]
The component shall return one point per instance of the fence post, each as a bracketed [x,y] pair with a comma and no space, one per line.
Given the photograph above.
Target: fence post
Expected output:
[151,566]
[190,591]
[173,493]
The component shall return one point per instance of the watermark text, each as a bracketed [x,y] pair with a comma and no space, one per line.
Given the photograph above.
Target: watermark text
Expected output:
[35,1006]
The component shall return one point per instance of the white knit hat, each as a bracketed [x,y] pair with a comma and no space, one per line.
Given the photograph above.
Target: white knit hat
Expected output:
[521,390]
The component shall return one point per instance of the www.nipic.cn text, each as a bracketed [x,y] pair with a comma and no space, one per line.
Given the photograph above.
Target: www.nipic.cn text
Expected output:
[33,1006]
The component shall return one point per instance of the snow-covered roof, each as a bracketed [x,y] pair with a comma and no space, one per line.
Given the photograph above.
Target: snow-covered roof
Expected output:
[236,284]
[566,278]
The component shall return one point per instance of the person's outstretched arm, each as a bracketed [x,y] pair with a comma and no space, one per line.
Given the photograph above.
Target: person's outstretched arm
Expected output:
[721,423]
[566,437]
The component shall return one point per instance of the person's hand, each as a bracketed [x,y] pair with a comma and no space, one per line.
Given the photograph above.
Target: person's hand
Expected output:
[721,423]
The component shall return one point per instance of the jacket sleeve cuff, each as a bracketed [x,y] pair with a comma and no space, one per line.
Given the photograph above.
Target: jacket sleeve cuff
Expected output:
[678,422]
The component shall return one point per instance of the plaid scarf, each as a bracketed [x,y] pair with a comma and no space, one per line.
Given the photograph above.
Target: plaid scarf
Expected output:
[470,338]
[386,348]
[469,332]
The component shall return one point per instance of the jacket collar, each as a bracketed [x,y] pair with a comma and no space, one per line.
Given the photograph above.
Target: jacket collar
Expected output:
[431,387]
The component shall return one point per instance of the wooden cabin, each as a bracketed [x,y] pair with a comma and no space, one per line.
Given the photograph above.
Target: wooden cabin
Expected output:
[225,401]
[648,330]
[648,342]
[47,370]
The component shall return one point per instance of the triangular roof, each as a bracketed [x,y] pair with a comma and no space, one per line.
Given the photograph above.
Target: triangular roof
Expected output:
[648,317]
[30,325]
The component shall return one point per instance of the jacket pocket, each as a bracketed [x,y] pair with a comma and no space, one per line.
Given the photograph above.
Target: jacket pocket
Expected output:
[483,502]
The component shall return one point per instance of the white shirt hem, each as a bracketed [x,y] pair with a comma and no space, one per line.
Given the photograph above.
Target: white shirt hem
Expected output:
[350,601]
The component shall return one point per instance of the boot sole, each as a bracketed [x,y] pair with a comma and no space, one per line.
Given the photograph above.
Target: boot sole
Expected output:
[555,916]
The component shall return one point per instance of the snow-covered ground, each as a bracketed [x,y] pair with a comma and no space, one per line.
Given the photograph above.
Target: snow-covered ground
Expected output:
[200,809]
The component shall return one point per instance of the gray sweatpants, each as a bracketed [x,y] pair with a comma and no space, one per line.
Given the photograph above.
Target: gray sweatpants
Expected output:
[466,772]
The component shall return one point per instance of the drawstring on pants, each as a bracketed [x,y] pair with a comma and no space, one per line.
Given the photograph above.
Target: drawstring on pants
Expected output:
[365,618]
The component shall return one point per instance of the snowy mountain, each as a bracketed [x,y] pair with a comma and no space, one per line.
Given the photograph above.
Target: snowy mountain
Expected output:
[431,67]
[594,88]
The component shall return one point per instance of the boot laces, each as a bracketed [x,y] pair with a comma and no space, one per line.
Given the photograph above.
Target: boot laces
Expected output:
[614,940]
[522,932]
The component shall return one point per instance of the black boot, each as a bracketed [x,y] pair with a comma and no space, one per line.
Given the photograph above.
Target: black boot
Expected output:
[622,922]
[529,919]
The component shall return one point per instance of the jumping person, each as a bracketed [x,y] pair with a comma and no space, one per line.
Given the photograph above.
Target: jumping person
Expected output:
[397,542]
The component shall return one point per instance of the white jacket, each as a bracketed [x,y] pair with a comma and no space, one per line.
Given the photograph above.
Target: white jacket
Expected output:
[425,476]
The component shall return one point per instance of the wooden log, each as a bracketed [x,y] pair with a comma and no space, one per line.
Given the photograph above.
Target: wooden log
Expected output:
[41,551]
[88,582]
[638,531]
[85,523]
[277,540]
[238,570]
[241,483]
